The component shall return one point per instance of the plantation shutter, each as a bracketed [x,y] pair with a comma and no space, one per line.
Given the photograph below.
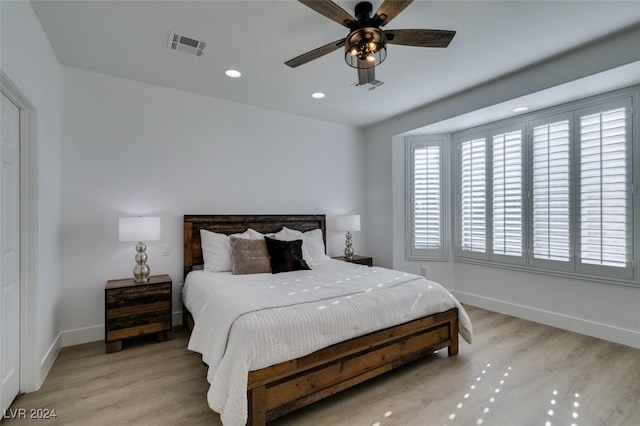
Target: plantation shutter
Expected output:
[507,193]
[551,193]
[426,195]
[427,213]
[560,187]
[604,175]
[473,196]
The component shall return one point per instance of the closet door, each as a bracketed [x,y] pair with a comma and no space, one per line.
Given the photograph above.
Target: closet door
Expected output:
[9,254]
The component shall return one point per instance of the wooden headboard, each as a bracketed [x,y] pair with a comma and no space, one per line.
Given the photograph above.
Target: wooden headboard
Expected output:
[232,224]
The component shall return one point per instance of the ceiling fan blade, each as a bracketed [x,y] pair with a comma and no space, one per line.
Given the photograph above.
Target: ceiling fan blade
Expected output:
[366,72]
[330,10]
[389,10]
[315,53]
[420,38]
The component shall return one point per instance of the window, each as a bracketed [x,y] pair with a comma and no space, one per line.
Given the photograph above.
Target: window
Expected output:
[473,195]
[551,214]
[552,192]
[507,194]
[604,191]
[490,195]
[426,218]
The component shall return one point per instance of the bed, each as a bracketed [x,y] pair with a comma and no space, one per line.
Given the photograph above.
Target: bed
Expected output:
[308,374]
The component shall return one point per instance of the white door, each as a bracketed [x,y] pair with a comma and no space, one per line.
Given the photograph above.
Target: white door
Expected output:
[9,254]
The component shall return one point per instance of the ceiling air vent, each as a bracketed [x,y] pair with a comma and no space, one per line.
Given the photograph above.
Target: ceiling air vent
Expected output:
[372,85]
[185,44]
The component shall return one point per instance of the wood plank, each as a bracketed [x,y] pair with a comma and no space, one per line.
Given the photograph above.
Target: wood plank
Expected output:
[453,347]
[164,306]
[136,295]
[341,370]
[136,321]
[126,333]
[296,383]
[128,282]
[114,346]
[257,398]
[347,348]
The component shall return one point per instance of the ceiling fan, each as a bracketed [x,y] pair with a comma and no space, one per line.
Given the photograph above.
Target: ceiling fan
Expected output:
[366,44]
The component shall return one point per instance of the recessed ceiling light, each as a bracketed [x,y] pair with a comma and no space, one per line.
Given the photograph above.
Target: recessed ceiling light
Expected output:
[233,74]
[318,95]
[520,109]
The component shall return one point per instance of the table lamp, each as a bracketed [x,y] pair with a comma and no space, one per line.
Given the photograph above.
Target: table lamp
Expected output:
[348,223]
[139,229]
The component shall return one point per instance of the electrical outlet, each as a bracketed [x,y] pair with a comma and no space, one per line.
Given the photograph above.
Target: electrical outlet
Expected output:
[166,249]
[423,271]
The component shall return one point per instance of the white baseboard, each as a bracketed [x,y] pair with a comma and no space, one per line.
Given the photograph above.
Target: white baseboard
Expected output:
[602,331]
[49,358]
[82,335]
[96,332]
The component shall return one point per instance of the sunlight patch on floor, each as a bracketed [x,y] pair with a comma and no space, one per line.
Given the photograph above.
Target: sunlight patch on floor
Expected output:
[482,386]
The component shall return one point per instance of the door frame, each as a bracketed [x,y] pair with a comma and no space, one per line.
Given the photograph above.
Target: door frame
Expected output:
[30,379]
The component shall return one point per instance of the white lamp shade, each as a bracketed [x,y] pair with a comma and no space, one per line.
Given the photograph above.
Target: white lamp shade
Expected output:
[348,223]
[139,229]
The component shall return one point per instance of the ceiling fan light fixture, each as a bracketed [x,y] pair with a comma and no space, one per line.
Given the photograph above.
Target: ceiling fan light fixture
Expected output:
[365,44]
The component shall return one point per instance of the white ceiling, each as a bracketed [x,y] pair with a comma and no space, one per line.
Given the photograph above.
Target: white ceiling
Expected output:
[129,39]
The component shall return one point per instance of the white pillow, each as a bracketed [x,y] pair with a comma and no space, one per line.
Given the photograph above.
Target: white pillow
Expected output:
[216,248]
[216,251]
[315,245]
[313,250]
[286,234]
[252,234]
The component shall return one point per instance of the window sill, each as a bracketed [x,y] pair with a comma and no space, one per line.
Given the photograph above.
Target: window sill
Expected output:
[426,258]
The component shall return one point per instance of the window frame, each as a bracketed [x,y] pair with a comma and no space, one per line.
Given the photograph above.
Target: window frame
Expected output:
[519,260]
[555,265]
[628,97]
[412,143]
[628,271]
[470,254]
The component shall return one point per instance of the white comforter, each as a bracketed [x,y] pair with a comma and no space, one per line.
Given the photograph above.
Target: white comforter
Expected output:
[247,322]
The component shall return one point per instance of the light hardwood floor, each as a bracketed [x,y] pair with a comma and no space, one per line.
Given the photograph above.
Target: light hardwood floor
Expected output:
[515,373]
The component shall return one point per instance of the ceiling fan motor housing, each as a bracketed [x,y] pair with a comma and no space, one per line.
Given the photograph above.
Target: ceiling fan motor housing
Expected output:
[363,11]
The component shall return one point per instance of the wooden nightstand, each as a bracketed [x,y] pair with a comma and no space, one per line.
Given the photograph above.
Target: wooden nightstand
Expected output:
[360,260]
[135,309]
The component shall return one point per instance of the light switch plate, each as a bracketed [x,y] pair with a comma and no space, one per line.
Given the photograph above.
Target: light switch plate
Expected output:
[166,249]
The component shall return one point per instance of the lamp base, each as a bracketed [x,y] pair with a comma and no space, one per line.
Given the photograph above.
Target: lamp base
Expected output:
[348,250]
[141,271]
[141,276]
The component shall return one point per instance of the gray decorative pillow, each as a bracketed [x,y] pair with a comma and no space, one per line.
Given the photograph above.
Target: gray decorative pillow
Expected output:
[249,256]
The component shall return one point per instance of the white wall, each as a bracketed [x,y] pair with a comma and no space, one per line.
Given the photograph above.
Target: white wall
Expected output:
[131,148]
[602,310]
[30,63]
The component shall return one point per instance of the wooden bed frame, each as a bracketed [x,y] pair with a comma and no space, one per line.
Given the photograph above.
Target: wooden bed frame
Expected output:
[282,388]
